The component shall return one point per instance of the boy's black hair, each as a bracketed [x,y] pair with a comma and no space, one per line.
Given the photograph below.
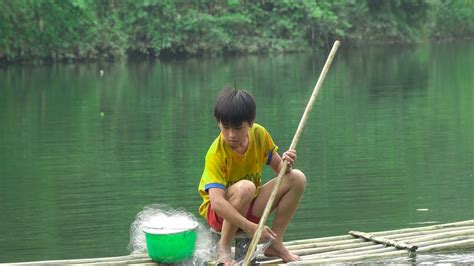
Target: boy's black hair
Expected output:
[234,107]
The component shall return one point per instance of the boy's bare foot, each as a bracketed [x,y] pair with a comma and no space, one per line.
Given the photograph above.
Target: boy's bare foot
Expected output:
[224,255]
[277,249]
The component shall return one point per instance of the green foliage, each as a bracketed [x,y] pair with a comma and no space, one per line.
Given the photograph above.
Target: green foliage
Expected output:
[60,30]
[455,19]
[92,29]
[396,20]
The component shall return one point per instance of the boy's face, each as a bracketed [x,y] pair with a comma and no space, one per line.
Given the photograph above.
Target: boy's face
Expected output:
[235,136]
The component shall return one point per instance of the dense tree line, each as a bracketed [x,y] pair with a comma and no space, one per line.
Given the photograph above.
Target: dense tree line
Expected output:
[91,29]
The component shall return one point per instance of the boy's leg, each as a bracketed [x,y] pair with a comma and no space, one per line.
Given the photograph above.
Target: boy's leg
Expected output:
[240,196]
[286,202]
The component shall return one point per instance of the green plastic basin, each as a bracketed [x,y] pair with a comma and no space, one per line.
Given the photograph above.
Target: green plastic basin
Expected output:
[170,245]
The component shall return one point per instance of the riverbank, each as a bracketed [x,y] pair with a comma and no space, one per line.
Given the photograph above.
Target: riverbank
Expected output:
[82,30]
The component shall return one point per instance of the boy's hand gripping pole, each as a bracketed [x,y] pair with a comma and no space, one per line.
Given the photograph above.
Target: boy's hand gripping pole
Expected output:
[294,142]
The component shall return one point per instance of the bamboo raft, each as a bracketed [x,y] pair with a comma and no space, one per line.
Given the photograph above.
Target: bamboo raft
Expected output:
[353,247]
[358,246]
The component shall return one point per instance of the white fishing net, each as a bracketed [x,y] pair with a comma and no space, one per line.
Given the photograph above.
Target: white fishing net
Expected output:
[165,218]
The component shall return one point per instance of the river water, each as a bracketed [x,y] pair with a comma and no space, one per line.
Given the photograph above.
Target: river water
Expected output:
[389,144]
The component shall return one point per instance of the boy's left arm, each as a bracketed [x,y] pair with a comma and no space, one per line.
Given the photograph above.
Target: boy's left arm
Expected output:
[277,162]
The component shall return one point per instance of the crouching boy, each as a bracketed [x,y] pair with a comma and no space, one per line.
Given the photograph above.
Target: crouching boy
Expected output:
[230,186]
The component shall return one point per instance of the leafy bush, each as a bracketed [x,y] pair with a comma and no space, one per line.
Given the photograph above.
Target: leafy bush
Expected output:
[92,29]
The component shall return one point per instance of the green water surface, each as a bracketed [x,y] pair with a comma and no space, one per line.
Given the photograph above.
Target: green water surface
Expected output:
[389,144]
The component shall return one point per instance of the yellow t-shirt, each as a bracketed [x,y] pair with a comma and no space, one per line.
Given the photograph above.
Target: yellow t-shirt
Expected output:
[225,167]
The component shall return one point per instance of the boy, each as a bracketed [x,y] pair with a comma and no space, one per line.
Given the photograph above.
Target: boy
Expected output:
[233,197]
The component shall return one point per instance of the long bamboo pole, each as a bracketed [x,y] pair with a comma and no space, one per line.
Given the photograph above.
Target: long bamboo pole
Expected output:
[428,228]
[440,235]
[309,107]
[410,235]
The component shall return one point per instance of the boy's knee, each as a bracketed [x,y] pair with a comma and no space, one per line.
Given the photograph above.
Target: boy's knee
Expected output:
[297,178]
[243,189]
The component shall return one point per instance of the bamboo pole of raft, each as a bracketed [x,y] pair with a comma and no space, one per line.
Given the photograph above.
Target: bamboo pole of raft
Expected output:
[441,235]
[294,142]
[422,232]
[135,258]
[427,228]
[384,241]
